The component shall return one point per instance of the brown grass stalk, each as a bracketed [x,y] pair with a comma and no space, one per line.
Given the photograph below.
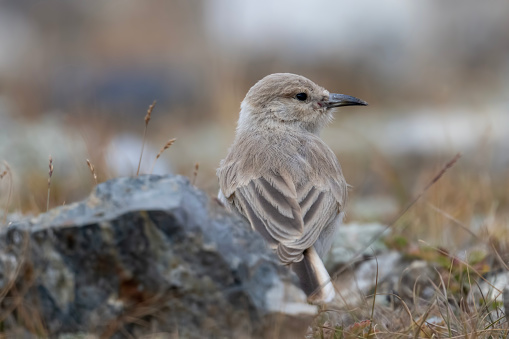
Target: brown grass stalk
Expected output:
[405,210]
[371,329]
[134,314]
[481,276]
[92,170]
[453,219]
[449,312]
[498,257]
[49,181]
[164,148]
[147,119]
[195,173]
[7,172]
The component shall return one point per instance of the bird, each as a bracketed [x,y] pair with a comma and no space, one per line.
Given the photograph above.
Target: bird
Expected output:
[282,177]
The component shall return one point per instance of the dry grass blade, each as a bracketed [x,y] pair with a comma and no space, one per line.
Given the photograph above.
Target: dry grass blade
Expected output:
[405,307]
[92,170]
[420,323]
[463,262]
[16,289]
[164,148]
[135,313]
[453,219]
[505,300]
[497,255]
[476,313]
[494,322]
[486,304]
[49,181]
[405,210]
[374,299]
[448,310]
[147,119]
[195,173]
[6,172]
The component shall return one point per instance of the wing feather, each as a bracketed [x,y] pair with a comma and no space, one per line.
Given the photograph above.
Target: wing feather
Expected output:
[285,204]
[281,226]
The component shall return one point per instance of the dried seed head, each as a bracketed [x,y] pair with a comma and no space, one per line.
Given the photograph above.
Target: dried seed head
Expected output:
[49,181]
[92,169]
[50,166]
[147,119]
[195,173]
[165,147]
[149,112]
[50,170]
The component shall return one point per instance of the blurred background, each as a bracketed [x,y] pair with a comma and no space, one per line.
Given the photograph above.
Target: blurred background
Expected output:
[77,77]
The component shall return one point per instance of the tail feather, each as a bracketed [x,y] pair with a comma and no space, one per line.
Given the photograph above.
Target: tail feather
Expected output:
[314,278]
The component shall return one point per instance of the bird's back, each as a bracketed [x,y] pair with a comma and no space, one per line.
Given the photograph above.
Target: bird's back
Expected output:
[300,182]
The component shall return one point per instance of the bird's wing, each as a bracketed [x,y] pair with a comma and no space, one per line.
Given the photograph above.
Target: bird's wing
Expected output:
[318,207]
[270,204]
[290,218]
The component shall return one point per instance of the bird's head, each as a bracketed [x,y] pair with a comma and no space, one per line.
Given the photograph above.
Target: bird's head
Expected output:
[288,99]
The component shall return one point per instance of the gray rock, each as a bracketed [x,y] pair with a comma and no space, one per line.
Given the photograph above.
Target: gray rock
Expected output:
[355,283]
[145,255]
[493,287]
[355,239]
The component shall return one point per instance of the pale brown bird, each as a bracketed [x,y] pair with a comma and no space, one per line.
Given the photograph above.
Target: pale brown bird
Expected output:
[284,179]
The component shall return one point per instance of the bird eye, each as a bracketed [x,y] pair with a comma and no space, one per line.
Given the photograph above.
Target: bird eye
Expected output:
[302,96]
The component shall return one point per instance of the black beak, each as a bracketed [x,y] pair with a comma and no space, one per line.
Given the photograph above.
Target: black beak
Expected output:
[338,100]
